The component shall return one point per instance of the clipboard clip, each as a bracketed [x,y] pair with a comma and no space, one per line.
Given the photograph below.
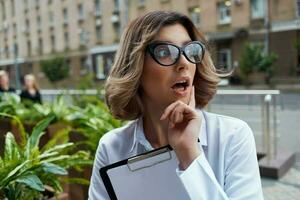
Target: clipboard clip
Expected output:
[149,159]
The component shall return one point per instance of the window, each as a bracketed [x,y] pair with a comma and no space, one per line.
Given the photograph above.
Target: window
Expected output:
[98,33]
[38,22]
[224,12]
[65,14]
[257,9]
[28,48]
[16,49]
[6,51]
[100,67]
[80,12]
[117,5]
[97,7]
[52,38]
[83,37]
[41,46]
[224,60]
[67,41]
[117,29]
[27,28]
[3,10]
[51,18]
[194,14]
[25,5]
[83,66]
[13,8]
[15,28]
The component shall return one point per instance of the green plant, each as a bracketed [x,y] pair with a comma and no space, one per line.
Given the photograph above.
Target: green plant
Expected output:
[93,121]
[55,69]
[254,60]
[25,169]
[11,104]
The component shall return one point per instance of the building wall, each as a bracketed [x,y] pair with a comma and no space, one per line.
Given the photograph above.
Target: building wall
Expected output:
[242,28]
[285,48]
[22,27]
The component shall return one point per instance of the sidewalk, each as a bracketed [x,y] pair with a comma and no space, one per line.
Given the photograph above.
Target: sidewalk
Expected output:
[286,188]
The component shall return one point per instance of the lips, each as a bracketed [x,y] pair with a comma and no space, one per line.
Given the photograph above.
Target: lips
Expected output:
[180,85]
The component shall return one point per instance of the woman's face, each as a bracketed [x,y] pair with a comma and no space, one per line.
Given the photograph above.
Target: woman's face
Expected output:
[163,85]
[28,82]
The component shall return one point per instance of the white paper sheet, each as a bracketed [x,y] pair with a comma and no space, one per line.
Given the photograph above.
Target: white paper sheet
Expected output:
[159,181]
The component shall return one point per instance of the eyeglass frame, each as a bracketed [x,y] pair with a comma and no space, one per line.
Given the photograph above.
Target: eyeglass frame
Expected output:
[150,48]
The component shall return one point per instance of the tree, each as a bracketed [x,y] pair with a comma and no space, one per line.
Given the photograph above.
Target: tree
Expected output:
[253,60]
[55,69]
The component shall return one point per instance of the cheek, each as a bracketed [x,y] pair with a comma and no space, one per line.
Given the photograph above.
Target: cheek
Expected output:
[154,76]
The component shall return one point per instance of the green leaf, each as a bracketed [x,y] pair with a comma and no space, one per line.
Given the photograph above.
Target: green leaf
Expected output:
[59,147]
[32,181]
[60,136]
[54,169]
[11,150]
[37,133]
[58,158]
[22,132]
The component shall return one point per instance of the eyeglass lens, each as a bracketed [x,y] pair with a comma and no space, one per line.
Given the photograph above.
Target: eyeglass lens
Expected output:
[168,54]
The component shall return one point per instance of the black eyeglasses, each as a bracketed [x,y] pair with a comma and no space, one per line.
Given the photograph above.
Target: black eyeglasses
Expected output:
[167,54]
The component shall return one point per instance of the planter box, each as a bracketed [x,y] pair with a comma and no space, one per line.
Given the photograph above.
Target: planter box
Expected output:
[5,126]
[77,191]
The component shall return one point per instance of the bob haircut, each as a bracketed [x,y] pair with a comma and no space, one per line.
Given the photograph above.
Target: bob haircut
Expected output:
[122,89]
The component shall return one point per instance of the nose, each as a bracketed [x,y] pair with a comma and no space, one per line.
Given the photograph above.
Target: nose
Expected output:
[182,63]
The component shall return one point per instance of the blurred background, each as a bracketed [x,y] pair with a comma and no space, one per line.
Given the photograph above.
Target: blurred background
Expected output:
[69,45]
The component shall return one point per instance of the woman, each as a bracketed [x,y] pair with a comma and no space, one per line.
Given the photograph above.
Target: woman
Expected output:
[30,93]
[4,83]
[162,78]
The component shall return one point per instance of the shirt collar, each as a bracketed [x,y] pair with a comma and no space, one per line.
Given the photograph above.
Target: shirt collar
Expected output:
[139,136]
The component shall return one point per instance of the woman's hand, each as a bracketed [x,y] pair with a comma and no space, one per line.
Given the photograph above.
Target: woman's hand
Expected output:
[183,131]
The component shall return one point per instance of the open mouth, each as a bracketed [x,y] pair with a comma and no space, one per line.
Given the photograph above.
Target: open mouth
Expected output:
[181,85]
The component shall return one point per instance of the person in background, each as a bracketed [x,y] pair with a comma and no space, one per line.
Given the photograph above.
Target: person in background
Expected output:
[4,83]
[31,90]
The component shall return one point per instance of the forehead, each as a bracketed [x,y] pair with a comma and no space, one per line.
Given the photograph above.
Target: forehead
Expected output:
[175,33]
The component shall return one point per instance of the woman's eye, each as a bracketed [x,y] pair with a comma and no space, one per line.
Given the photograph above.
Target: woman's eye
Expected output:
[163,52]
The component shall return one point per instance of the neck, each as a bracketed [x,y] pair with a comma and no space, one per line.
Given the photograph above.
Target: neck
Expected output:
[155,130]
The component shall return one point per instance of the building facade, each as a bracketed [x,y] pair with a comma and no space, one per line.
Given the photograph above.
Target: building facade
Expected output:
[87,32]
[34,30]
[229,24]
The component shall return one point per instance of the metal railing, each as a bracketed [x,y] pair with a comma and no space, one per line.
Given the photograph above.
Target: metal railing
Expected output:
[268,110]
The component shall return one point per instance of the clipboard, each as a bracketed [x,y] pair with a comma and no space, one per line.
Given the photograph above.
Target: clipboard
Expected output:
[148,176]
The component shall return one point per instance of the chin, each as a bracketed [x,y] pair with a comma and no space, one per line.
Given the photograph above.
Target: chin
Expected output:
[182,99]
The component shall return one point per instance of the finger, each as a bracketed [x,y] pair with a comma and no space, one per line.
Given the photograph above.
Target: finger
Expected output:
[179,112]
[178,117]
[168,110]
[192,101]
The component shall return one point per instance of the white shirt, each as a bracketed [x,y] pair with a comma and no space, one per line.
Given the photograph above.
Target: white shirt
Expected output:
[227,168]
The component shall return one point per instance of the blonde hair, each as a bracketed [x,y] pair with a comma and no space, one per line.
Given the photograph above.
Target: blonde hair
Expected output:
[32,77]
[2,73]
[123,83]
